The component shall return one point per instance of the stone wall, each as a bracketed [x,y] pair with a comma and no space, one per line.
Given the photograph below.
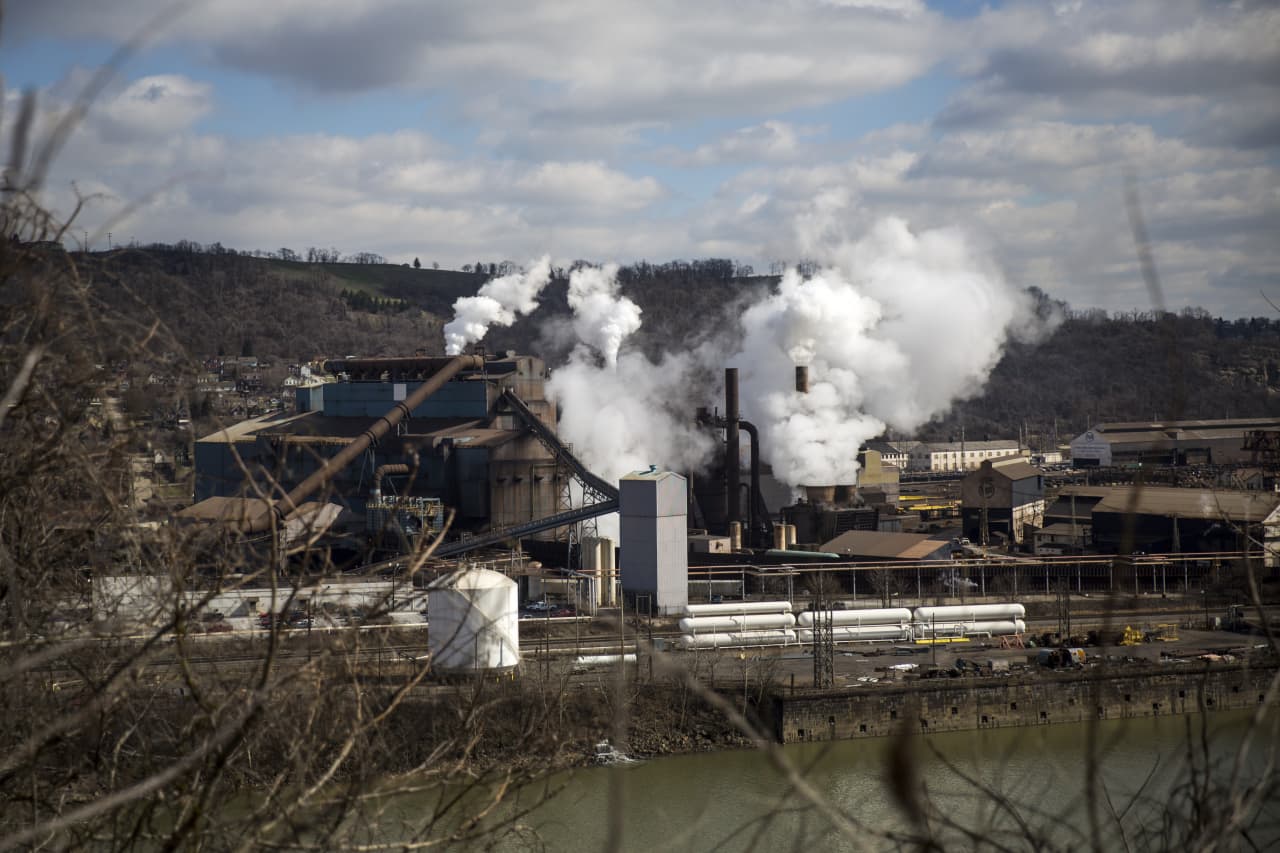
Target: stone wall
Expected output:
[1034,699]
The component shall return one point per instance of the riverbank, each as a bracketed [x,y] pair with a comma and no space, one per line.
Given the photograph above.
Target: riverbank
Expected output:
[1035,699]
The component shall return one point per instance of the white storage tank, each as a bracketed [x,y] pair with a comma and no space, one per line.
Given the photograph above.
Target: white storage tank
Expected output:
[885,616]
[737,607]
[475,622]
[741,622]
[970,612]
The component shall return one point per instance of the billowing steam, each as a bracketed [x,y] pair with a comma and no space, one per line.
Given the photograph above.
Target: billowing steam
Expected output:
[613,407]
[499,302]
[602,317]
[894,327]
[897,327]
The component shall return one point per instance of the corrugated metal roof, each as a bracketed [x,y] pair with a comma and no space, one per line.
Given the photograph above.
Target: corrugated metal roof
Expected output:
[246,430]
[232,511]
[873,543]
[1192,503]
[1061,528]
[1236,424]
[1015,468]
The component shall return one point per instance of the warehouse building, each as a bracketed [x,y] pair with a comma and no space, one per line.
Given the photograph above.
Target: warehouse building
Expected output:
[873,545]
[1142,443]
[1001,500]
[1172,520]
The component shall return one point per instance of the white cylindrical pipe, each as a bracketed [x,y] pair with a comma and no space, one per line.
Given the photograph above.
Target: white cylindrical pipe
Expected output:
[791,535]
[965,629]
[739,622]
[609,572]
[735,536]
[584,661]
[738,640]
[852,633]
[969,612]
[779,537]
[737,607]
[878,616]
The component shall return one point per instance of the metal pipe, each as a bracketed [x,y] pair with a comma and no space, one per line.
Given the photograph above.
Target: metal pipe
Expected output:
[383,470]
[361,443]
[756,500]
[732,460]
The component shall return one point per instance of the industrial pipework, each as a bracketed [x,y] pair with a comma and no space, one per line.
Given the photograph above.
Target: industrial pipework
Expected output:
[383,470]
[383,425]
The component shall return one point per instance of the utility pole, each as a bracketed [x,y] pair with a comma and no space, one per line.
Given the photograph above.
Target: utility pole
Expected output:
[824,650]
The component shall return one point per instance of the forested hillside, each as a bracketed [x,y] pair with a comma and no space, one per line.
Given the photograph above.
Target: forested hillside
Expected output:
[1091,368]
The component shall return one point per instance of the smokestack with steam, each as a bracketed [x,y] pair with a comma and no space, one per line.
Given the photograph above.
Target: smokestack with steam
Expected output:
[732,452]
[802,379]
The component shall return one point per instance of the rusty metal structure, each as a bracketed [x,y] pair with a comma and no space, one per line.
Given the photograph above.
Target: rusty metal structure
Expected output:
[471,433]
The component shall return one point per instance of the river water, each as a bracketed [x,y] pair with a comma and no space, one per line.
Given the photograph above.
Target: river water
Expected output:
[737,801]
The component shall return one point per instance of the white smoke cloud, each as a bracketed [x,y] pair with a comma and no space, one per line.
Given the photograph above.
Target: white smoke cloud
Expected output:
[894,329]
[602,317]
[629,415]
[499,302]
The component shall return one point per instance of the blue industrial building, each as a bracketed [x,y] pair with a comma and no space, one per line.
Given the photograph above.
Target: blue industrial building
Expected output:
[469,445]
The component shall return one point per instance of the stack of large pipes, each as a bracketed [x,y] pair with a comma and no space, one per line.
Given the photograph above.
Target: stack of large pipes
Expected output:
[968,620]
[744,623]
[848,626]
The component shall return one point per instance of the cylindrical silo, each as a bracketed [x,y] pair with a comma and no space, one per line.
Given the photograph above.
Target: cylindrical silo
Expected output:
[475,624]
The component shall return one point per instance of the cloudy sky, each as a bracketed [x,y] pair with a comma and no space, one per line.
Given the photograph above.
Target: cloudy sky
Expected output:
[594,129]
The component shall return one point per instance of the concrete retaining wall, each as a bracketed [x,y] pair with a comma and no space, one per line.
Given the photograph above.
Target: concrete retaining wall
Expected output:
[1038,699]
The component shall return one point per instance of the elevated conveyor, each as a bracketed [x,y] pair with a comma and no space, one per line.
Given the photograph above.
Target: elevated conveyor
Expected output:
[590,482]
[529,528]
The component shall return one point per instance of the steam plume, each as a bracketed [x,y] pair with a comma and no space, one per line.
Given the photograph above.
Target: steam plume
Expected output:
[602,317]
[499,302]
[894,329]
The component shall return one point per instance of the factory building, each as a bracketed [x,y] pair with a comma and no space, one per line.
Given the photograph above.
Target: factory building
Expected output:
[1172,520]
[872,545]
[878,480]
[891,453]
[1001,499]
[1205,442]
[473,445]
[957,455]
[1068,522]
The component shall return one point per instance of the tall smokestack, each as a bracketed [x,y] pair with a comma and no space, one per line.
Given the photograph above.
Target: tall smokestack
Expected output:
[732,456]
[802,378]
